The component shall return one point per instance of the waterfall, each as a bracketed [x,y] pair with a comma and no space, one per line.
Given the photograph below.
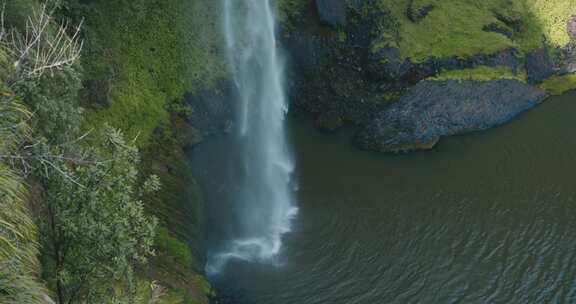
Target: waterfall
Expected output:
[265,187]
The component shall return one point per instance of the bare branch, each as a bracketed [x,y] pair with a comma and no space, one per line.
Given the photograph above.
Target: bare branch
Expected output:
[39,50]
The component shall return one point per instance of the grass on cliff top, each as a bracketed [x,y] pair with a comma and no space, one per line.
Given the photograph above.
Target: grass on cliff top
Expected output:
[559,84]
[481,73]
[455,27]
[152,52]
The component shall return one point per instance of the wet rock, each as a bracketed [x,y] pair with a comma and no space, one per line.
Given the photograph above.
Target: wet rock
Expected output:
[508,57]
[332,12]
[356,4]
[329,121]
[388,64]
[185,133]
[433,109]
[309,52]
[539,65]
[211,109]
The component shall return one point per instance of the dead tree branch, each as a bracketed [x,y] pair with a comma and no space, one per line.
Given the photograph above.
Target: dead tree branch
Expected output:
[45,45]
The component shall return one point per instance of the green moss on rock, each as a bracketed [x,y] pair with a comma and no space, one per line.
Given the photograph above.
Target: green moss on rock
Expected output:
[559,84]
[481,73]
[173,247]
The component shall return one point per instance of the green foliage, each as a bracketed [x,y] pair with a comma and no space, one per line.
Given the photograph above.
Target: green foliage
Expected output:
[455,27]
[177,297]
[178,205]
[141,56]
[17,11]
[53,99]
[18,245]
[552,17]
[205,286]
[482,73]
[93,224]
[559,84]
[18,233]
[173,247]
[6,69]
[95,230]
[289,8]
[14,118]
[150,53]
[178,208]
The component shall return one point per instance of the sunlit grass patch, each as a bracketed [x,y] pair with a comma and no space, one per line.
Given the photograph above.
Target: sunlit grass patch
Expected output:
[457,28]
[559,84]
[481,73]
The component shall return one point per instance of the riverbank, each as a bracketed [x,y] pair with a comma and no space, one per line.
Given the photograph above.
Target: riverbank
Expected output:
[363,62]
[482,217]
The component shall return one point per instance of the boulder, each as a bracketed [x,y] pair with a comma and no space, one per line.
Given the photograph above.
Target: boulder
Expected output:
[433,109]
[387,64]
[333,12]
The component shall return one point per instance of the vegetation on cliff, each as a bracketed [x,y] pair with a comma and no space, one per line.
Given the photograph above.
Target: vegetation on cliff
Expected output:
[142,56]
[481,73]
[19,266]
[467,28]
[140,60]
[87,187]
[559,84]
[357,60]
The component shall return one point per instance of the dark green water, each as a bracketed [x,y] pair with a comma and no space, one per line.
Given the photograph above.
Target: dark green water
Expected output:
[483,218]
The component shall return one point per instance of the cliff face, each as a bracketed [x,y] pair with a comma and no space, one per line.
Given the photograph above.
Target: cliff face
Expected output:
[369,61]
[154,70]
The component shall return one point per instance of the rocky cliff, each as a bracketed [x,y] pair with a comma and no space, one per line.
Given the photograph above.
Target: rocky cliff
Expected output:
[411,71]
[153,69]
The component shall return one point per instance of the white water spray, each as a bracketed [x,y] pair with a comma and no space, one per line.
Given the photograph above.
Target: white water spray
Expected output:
[265,192]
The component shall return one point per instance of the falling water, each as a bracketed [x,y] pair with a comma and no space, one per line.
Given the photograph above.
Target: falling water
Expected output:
[265,186]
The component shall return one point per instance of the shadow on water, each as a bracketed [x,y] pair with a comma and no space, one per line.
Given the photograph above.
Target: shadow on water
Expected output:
[483,218]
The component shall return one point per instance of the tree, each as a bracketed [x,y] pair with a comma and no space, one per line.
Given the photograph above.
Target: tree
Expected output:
[19,265]
[18,234]
[94,230]
[95,226]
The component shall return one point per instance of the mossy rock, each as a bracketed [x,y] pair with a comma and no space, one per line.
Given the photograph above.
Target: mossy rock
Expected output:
[481,73]
[559,84]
